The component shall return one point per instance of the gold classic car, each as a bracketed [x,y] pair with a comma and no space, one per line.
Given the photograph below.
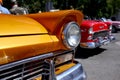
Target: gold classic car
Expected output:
[40,46]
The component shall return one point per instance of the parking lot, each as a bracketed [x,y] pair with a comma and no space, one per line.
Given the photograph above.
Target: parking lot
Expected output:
[102,63]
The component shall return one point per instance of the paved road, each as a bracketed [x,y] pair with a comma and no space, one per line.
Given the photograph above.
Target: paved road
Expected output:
[103,63]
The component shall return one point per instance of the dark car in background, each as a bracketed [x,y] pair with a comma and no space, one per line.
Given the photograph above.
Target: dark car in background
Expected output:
[115,24]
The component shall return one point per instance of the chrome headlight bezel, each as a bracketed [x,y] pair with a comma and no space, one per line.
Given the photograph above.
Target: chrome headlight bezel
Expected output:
[90,31]
[71,35]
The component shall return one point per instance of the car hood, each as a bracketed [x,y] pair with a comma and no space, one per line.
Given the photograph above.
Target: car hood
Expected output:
[18,25]
[25,36]
[22,37]
[118,22]
[89,23]
[96,25]
[115,23]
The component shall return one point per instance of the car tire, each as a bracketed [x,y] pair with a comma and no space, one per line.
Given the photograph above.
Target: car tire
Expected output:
[114,30]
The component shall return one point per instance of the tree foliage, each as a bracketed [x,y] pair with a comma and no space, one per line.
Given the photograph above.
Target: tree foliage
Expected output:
[92,8]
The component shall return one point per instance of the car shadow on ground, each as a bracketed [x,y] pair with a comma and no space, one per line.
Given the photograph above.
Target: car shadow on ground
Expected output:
[82,53]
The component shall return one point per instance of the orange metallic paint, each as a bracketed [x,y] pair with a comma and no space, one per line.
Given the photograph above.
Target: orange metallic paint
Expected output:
[48,26]
[54,20]
[38,78]
[15,25]
[64,68]
[19,47]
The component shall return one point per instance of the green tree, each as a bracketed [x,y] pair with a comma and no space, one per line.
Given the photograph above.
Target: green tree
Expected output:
[33,5]
[92,8]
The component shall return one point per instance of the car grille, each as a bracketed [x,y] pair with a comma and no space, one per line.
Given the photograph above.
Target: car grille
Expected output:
[100,34]
[35,67]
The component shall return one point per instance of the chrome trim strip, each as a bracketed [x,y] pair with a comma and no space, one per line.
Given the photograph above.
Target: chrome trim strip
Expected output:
[82,75]
[52,71]
[57,53]
[14,35]
[6,66]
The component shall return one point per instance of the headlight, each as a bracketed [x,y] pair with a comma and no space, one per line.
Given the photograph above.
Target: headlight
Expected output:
[91,31]
[71,35]
[110,27]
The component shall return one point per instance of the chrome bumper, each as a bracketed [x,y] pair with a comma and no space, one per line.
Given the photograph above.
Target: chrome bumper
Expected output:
[101,41]
[74,73]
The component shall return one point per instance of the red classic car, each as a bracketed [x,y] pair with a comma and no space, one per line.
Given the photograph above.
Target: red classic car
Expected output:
[95,33]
